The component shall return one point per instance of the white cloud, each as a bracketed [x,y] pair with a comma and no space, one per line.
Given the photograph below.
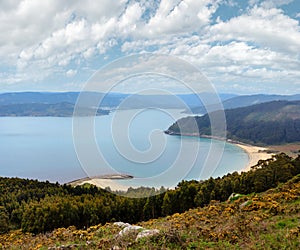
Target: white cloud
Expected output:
[89,53]
[87,35]
[264,27]
[47,38]
[100,31]
[233,3]
[180,18]
[275,3]
[27,23]
[129,20]
[71,73]
[269,3]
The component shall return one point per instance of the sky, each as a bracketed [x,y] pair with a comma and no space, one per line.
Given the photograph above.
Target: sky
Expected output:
[241,46]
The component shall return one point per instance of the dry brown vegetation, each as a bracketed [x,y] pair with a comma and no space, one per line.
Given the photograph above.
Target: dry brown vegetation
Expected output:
[291,149]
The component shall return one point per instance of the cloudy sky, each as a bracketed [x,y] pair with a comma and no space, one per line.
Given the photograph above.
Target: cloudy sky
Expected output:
[241,46]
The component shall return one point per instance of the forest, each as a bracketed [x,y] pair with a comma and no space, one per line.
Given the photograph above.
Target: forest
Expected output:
[275,122]
[39,207]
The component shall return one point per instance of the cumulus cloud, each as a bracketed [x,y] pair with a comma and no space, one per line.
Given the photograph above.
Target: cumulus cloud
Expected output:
[84,32]
[184,17]
[43,38]
[28,23]
[71,73]
[265,27]
[275,3]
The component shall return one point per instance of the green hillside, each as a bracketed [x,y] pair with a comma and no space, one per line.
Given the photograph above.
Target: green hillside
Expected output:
[250,219]
[274,122]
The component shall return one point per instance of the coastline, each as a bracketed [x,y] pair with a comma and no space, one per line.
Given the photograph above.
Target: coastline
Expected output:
[254,153]
[104,181]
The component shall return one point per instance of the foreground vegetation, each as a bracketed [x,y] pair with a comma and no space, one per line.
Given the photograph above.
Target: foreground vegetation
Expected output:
[268,220]
[39,207]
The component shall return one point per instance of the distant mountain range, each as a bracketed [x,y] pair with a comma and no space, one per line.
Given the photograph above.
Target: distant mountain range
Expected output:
[37,97]
[110,100]
[62,109]
[273,122]
[62,103]
[244,101]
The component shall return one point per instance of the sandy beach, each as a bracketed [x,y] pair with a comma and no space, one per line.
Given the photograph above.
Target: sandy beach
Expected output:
[254,153]
[104,183]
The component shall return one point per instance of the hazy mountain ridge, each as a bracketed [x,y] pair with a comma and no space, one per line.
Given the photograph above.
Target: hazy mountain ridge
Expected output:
[62,104]
[246,100]
[188,102]
[37,97]
[62,109]
[110,100]
[274,122]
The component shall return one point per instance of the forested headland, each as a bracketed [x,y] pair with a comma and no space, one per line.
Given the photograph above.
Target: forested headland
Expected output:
[275,122]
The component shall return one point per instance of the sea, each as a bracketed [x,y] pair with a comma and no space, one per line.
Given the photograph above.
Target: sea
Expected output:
[129,142]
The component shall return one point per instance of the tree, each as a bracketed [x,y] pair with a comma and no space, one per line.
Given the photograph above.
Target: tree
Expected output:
[4,220]
[167,205]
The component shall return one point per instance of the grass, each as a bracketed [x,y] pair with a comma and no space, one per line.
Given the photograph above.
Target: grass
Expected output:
[269,220]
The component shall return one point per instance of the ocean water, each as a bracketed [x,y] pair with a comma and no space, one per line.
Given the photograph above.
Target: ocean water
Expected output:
[129,141]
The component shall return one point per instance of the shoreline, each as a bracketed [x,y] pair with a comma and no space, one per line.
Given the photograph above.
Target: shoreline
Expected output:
[254,153]
[104,181]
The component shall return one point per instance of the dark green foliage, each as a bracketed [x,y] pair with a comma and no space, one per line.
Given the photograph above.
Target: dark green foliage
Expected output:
[42,206]
[268,123]
[4,220]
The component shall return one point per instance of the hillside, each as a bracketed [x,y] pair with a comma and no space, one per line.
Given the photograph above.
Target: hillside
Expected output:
[246,100]
[267,220]
[10,101]
[62,109]
[274,122]
[30,207]
[111,100]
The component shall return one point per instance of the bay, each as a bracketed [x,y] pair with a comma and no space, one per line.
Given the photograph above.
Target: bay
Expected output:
[42,148]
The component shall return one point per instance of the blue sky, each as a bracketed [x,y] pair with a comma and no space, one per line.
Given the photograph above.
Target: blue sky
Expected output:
[241,46]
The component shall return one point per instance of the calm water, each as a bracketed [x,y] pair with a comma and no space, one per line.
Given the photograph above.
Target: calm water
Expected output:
[42,148]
